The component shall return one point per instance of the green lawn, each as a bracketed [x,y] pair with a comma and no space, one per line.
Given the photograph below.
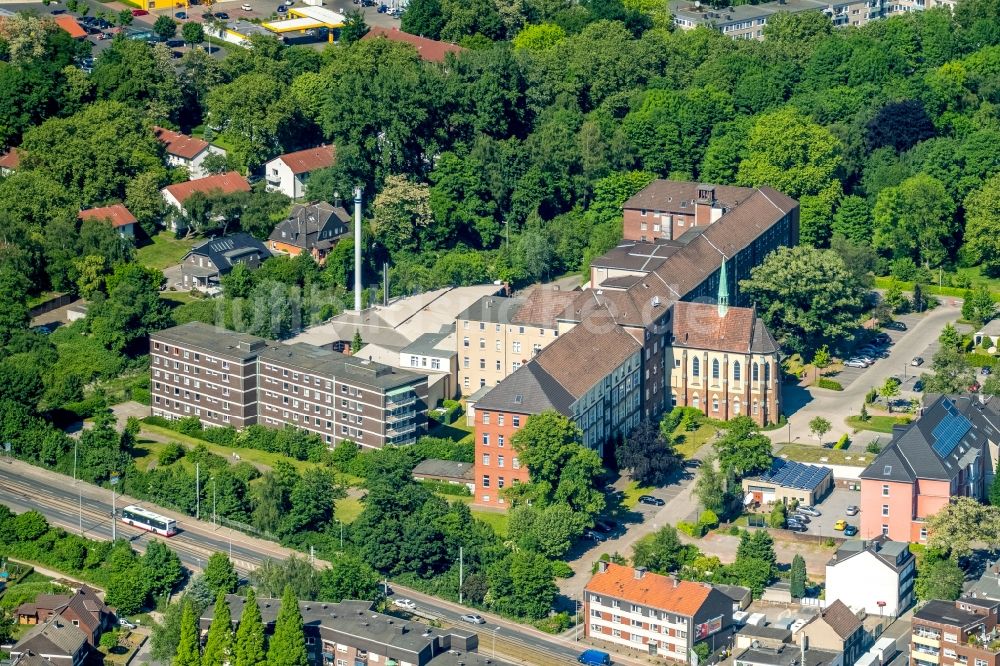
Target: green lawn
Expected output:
[632,492]
[175,298]
[877,423]
[348,509]
[812,454]
[457,431]
[246,455]
[689,442]
[496,520]
[163,251]
[146,452]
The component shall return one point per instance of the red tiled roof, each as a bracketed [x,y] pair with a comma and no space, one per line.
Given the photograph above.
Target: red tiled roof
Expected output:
[227,183]
[682,597]
[119,215]
[429,49]
[69,24]
[304,161]
[699,326]
[181,145]
[10,160]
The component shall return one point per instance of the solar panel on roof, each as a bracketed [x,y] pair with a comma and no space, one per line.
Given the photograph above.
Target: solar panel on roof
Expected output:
[950,431]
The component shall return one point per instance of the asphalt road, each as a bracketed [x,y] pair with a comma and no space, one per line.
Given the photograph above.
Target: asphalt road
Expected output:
[69,504]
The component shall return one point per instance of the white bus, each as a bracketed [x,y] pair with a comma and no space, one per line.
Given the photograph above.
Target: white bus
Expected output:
[147,520]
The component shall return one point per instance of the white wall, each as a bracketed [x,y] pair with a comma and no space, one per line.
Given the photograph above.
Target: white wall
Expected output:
[861,581]
[280,178]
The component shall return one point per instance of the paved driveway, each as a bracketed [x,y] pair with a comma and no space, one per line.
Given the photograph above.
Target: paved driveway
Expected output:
[833,509]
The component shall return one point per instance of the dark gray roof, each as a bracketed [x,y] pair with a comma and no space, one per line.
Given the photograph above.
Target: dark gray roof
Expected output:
[762,342]
[55,637]
[213,339]
[768,631]
[427,345]
[734,592]
[226,251]
[330,363]
[636,256]
[623,282]
[946,612]
[950,434]
[894,554]
[786,655]
[317,225]
[680,196]
[480,392]
[528,390]
[444,468]
[493,309]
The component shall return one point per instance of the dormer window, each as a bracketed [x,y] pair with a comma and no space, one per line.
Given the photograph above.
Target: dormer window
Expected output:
[887,470]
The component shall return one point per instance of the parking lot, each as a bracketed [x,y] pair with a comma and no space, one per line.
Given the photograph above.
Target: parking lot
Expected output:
[834,508]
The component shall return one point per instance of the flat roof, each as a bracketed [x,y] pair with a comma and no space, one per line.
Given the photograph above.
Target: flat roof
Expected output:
[213,339]
[294,24]
[331,18]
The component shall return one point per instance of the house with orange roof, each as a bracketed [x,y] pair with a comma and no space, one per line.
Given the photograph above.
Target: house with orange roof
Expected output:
[186,151]
[430,50]
[654,615]
[120,218]
[175,195]
[9,162]
[69,24]
[288,173]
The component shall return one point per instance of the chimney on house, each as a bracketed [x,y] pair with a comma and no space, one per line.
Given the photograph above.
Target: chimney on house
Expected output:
[357,249]
[640,572]
[602,566]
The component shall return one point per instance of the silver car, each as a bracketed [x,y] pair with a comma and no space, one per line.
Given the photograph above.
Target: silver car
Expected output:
[809,511]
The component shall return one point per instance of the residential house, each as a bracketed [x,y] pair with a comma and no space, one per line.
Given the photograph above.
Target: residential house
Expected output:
[120,218]
[949,451]
[988,584]
[314,228]
[988,336]
[429,49]
[601,396]
[56,640]
[875,576]
[353,632]
[68,24]
[207,262]
[9,162]
[228,378]
[496,335]
[186,151]
[955,633]
[175,195]
[288,173]
[789,480]
[787,655]
[446,471]
[836,629]
[83,609]
[656,615]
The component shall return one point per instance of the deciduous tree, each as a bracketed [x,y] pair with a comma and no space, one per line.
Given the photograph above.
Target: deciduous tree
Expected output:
[915,219]
[819,426]
[979,306]
[962,522]
[649,458]
[220,575]
[742,449]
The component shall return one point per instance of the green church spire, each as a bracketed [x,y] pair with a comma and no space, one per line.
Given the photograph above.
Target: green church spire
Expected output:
[723,298]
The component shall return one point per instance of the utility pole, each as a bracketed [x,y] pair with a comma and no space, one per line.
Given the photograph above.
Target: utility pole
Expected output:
[114,511]
[213,501]
[76,446]
[197,491]
[79,491]
[460,572]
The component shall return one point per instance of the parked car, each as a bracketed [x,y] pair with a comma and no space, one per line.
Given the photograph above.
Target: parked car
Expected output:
[986,371]
[473,619]
[649,499]
[222,16]
[594,536]
[896,325]
[86,20]
[852,510]
[174,43]
[974,387]
[605,525]
[282,9]
[809,511]
[840,525]
[594,658]
[692,462]
[181,15]
[208,16]
[797,527]
[800,517]
[883,339]
[58,11]
[855,363]
[405,604]
[103,24]
[246,7]
[176,55]
[140,12]
[918,385]
[917,361]
[382,9]
[850,531]
[125,622]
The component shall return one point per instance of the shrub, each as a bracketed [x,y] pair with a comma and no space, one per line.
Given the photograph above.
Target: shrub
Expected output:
[708,519]
[734,531]
[977,360]
[158,421]
[692,530]
[843,442]
[452,410]
[873,447]
[171,453]
[445,488]
[562,570]
[141,395]
[829,384]
[871,396]
[778,516]
[555,623]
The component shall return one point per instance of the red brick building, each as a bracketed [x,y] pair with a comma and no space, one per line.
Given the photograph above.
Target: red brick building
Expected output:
[666,209]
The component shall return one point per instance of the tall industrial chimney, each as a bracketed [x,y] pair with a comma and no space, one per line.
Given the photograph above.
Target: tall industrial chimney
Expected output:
[357,249]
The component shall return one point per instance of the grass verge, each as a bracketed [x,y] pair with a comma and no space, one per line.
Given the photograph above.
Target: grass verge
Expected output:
[163,251]
[689,442]
[496,520]
[632,492]
[246,455]
[877,423]
[348,509]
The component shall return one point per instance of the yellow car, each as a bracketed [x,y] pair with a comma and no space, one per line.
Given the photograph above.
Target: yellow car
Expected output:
[840,525]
